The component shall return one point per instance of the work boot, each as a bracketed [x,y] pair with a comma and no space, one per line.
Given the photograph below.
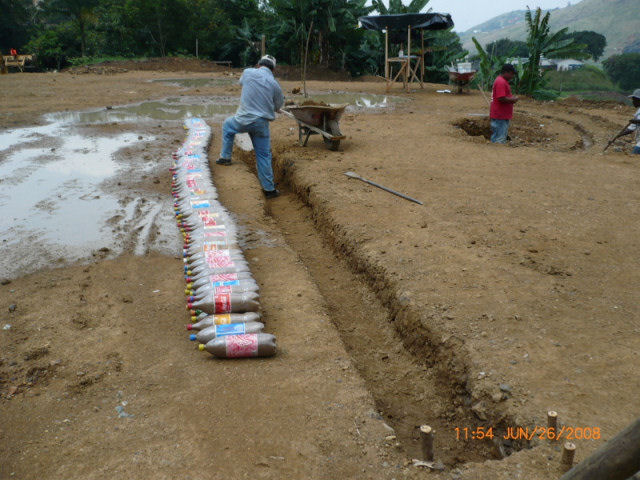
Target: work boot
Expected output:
[223,161]
[271,193]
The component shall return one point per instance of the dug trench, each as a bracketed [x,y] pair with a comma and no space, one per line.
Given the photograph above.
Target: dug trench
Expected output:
[414,377]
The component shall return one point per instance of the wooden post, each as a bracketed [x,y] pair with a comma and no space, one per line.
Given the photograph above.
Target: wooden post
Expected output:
[552,422]
[196,48]
[263,45]
[306,54]
[568,454]
[618,459]
[426,437]
[407,72]
[422,59]
[386,55]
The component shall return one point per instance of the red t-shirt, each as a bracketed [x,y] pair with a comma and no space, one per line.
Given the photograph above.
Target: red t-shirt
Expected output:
[499,110]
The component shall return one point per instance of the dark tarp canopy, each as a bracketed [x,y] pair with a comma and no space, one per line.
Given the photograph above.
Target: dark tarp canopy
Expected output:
[417,21]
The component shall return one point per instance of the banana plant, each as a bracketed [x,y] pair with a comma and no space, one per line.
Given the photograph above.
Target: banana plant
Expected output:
[542,43]
[396,6]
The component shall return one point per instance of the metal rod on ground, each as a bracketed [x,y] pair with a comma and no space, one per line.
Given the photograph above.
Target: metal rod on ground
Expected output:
[306,54]
[615,138]
[568,454]
[401,195]
[426,438]
[618,459]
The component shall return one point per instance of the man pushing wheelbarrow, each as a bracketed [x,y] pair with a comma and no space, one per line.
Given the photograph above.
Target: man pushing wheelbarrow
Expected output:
[261,98]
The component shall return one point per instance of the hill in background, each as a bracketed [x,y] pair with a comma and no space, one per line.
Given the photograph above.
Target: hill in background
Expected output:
[618,20]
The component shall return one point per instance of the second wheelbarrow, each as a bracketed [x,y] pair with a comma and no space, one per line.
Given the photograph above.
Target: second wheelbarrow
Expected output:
[318,119]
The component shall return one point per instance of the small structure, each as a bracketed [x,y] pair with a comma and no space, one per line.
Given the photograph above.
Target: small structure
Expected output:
[568,64]
[17,61]
[411,62]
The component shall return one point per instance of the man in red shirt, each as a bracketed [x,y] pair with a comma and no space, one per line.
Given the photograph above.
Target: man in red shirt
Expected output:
[502,104]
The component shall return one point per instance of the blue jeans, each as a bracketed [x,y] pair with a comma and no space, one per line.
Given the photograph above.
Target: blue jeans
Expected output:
[636,150]
[258,130]
[499,130]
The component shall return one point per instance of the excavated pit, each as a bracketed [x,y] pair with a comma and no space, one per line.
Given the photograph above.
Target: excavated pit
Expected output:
[412,380]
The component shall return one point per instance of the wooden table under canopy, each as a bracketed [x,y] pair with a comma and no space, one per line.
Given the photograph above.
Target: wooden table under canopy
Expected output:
[394,27]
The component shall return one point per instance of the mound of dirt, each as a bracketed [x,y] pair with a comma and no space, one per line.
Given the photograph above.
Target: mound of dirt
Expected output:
[525,129]
[166,64]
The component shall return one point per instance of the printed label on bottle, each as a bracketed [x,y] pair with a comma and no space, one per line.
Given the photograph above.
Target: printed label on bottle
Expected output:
[223,303]
[221,290]
[239,346]
[230,329]
[224,278]
[218,259]
[229,283]
[222,319]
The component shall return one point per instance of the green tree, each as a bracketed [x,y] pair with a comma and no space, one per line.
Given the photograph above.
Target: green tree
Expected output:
[490,66]
[542,43]
[445,48]
[396,6]
[507,48]
[334,29]
[79,12]
[16,21]
[624,70]
[595,42]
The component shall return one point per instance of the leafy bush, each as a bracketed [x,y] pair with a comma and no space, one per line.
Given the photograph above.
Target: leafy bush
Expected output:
[624,70]
[586,78]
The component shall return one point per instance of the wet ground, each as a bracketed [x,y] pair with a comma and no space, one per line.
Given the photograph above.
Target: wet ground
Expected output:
[511,291]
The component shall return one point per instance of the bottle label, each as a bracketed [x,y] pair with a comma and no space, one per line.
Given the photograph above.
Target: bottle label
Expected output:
[222,290]
[222,319]
[217,259]
[223,303]
[224,280]
[231,329]
[239,346]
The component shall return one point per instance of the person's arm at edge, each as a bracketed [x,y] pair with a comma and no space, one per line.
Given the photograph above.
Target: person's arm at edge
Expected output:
[278,97]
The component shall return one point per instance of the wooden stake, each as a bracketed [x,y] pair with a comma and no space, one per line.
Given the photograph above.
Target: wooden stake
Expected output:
[618,459]
[306,54]
[568,453]
[263,45]
[408,65]
[426,435]
[422,60]
[552,422]
[386,55]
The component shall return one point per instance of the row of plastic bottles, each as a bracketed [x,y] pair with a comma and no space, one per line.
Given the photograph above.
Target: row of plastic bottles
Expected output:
[222,296]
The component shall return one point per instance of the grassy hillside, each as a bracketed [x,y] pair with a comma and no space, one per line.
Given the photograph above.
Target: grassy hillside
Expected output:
[588,78]
[618,20]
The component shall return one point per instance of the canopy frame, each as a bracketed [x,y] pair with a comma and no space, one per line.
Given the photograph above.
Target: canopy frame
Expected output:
[408,68]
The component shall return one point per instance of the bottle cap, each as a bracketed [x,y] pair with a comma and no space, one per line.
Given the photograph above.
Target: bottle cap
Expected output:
[201,347]
[189,327]
[192,337]
[189,306]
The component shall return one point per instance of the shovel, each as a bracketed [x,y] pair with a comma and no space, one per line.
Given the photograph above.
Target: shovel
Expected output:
[401,195]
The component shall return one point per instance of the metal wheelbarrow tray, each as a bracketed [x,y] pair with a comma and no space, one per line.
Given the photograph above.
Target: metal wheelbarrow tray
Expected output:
[318,119]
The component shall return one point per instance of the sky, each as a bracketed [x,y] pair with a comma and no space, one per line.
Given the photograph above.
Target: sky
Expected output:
[469,13]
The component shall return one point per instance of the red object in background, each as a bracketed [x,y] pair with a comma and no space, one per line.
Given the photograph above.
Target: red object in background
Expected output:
[14,52]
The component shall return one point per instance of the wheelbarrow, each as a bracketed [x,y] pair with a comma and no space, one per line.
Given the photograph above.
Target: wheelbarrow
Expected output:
[317,120]
[461,79]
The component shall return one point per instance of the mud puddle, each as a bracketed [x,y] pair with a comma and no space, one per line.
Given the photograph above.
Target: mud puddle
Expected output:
[189,83]
[61,196]
[358,102]
[168,109]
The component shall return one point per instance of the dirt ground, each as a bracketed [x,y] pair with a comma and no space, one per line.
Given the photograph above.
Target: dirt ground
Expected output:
[510,292]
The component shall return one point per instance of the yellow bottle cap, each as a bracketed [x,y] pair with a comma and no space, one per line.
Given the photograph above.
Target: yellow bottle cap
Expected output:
[201,347]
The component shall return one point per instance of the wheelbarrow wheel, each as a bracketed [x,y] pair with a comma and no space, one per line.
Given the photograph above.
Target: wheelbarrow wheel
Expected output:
[333,129]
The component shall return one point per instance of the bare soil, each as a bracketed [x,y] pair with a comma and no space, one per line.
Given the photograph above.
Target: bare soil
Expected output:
[512,291]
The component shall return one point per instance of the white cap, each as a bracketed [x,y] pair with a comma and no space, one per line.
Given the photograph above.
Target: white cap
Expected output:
[266,60]
[635,94]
